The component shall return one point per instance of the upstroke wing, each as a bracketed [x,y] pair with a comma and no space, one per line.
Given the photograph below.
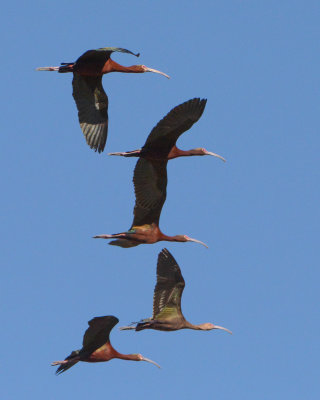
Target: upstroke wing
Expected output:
[92,105]
[181,118]
[169,288]
[98,333]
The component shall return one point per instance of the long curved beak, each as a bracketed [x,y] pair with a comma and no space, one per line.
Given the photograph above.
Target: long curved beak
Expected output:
[222,328]
[150,361]
[157,72]
[209,153]
[197,241]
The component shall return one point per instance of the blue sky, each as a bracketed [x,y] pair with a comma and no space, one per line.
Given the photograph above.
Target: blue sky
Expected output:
[257,63]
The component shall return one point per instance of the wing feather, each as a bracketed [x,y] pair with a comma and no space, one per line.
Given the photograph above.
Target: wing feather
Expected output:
[98,333]
[150,186]
[181,118]
[92,105]
[169,287]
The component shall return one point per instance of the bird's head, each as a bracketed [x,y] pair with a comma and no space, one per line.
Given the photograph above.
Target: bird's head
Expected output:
[143,68]
[201,151]
[185,238]
[139,357]
[207,326]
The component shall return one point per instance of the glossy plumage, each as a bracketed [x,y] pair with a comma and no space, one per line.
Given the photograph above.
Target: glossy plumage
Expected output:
[150,185]
[150,177]
[88,92]
[161,142]
[167,314]
[96,346]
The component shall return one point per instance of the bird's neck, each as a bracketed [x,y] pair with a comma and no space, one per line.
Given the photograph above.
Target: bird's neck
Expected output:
[131,357]
[166,238]
[112,66]
[176,152]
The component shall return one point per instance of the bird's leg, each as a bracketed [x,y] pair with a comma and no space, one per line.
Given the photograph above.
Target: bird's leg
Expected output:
[60,362]
[126,328]
[112,236]
[47,69]
[134,153]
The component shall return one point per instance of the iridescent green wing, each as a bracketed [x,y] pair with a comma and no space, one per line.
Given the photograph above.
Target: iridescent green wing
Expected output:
[181,118]
[98,333]
[150,186]
[169,288]
[92,105]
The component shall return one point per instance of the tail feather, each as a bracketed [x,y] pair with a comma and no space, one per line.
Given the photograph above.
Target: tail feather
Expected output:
[69,362]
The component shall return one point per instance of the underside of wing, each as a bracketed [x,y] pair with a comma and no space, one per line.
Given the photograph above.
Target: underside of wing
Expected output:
[181,118]
[169,287]
[98,332]
[124,243]
[150,186]
[92,105]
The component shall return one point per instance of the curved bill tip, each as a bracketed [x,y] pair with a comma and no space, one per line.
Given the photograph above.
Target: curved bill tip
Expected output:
[209,153]
[197,241]
[157,72]
[222,328]
[150,361]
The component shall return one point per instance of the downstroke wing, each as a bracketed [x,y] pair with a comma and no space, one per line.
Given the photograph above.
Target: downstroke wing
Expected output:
[92,105]
[169,288]
[181,118]
[150,186]
[98,332]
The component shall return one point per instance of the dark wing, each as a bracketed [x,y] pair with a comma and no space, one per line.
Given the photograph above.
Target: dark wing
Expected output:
[150,186]
[181,118]
[92,105]
[98,333]
[169,288]
[101,55]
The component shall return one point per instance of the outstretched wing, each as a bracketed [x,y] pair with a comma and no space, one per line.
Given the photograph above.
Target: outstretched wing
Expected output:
[181,118]
[150,186]
[98,333]
[92,105]
[101,54]
[169,288]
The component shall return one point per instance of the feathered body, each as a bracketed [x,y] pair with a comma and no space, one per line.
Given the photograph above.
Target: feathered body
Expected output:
[167,314]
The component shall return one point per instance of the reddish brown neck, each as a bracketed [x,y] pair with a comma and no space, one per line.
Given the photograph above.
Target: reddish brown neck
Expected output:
[177,238]
[131,357]
[112,66]
[176,152]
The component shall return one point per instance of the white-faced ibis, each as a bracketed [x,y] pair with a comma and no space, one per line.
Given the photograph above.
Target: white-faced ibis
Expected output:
[88,93]
[96,346]
[150,184]
[167,314]
[161,142]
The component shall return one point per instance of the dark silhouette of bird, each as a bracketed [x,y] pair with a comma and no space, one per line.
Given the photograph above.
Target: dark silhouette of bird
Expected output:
[167,314]
[161,142]
[150,184]
[88,93]
[96,346]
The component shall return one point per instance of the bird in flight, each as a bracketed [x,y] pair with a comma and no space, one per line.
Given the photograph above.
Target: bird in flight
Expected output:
[161,142]
[88,92]
[167,314]
[150,176]
[96,346]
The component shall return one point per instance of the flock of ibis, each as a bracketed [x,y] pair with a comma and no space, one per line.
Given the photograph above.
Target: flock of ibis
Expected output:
[150,186]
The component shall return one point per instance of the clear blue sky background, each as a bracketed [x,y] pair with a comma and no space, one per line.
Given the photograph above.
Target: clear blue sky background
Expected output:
[257,63]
